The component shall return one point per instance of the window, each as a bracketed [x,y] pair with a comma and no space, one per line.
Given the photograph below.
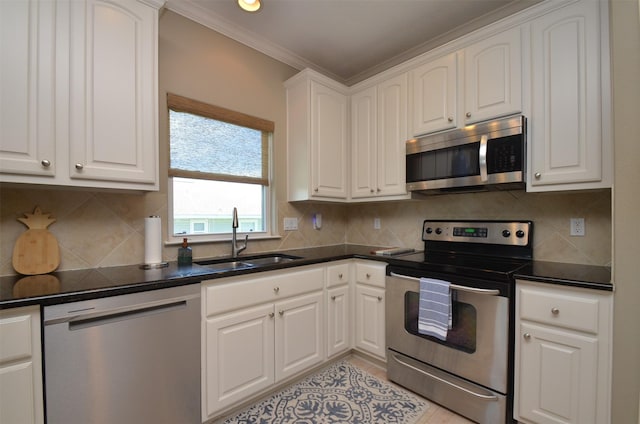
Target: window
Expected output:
[218,160]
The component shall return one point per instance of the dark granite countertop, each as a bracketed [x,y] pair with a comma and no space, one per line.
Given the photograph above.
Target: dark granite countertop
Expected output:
[69,286]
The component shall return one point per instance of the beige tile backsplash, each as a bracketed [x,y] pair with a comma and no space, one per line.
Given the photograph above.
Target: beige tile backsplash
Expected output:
[98,229]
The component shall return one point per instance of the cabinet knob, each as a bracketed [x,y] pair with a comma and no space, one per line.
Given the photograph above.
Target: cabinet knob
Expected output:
[315,189]
[526,336]
[340,276]
[450,119]
[45,163]
[276,289]
[371,191]
[368,275]
[379,298]
[271,315]
[333,298]
[468,115]
[555,311]
[281,312]
[79,166]
[378,190]
[537,175]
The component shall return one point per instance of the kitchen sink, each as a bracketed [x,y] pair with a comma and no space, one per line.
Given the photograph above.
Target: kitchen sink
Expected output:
[247,262]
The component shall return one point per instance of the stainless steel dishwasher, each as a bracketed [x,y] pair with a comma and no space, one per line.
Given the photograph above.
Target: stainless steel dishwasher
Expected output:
[124,359]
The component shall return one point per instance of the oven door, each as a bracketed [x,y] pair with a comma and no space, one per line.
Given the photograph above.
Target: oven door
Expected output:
[476,347]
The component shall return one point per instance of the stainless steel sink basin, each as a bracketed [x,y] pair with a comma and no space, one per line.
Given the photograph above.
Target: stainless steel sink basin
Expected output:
[241,263]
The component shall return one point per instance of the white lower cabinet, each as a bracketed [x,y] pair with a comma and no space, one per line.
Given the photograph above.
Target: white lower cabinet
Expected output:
[259,331]
[562,360]
[21,399]
[370,308]
[338,302]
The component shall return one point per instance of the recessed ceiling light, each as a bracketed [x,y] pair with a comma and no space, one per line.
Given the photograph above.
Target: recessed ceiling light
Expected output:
[249,5]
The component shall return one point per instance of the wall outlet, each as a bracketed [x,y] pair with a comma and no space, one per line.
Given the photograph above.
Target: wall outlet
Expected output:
[290,224]
[376,223]
[577,227]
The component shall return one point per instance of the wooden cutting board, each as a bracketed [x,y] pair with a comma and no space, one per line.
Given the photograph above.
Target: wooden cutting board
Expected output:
[36,250]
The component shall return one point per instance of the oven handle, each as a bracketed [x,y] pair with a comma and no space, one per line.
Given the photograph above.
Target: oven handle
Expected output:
[464,389]
[488,292]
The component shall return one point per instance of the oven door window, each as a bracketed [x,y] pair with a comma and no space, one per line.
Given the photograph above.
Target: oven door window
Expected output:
[462,335]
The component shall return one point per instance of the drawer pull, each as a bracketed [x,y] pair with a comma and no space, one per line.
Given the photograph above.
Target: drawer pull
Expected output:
[271,315]
[526,336]
[281,312]
[276,289]
[555,311]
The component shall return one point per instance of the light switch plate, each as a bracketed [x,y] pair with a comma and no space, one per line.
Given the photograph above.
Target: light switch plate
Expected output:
[290,224]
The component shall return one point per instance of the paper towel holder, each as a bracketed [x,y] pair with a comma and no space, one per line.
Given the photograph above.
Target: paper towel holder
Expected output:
[150,262]
[154,266]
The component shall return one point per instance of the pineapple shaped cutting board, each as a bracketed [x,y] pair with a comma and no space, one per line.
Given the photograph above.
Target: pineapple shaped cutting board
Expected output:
[36,250]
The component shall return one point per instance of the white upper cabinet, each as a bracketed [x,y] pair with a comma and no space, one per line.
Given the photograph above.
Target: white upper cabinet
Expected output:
[570,140]
[317,139]
[378,136]
[27,88]
[79,93]
[435,93]
[481,82]
[113,92]
[493,82]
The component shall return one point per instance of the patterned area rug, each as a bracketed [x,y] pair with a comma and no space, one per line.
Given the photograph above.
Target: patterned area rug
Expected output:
[340,393]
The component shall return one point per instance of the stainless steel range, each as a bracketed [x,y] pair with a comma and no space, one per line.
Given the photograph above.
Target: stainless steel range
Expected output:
[469,368]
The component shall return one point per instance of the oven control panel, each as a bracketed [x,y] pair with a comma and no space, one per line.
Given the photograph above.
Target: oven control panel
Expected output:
[508,233]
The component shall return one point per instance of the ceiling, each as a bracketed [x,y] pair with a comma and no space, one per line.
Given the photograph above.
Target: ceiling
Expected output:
[347,40]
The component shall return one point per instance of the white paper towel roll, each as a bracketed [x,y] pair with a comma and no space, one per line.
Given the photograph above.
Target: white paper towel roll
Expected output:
[152,240]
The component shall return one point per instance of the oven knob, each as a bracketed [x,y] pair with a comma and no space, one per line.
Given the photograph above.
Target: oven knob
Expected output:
[429,230]
[506,233]
[519,233]
[438,231]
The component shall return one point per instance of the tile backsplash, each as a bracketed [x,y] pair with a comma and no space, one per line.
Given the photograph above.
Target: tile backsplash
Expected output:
[99,229]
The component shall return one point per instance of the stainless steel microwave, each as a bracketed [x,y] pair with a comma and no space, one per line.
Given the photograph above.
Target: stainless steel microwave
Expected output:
[489,155]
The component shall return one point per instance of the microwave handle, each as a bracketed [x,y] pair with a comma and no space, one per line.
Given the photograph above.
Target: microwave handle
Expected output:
[483,158]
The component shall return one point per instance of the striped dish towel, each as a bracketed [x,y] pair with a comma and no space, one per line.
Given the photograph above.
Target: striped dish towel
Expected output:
[434,317]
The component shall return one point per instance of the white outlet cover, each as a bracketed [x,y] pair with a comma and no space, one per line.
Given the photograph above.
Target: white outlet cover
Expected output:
[577,227]
[290,224]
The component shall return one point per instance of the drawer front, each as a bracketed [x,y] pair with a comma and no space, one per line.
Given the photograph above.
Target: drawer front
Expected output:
[372,273]
[237,292]
[337,275]
[558,307]
[15,338]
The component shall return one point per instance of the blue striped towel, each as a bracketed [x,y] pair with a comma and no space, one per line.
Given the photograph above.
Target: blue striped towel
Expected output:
[434,316]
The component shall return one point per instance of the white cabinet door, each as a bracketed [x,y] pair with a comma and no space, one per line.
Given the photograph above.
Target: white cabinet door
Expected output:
[299,334]
[239,356]
[27,87]
[113,91]
[391,137]
[21,394]
[338,320]
[435,90]
[328,142]
[557,371]
[370,325]
[493,85]
[363,142]
[568,144]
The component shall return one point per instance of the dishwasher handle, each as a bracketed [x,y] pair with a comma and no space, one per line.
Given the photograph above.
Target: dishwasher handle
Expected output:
[122,314]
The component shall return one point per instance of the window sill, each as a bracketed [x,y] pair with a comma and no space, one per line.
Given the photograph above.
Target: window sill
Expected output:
[193,240]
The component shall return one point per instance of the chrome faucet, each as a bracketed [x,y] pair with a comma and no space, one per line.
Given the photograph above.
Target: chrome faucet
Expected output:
[235,250]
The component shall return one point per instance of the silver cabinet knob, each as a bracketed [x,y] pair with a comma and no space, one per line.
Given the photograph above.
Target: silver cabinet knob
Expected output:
[379,298]
[537,175]
[79,166]
[281,312]
[468,115]
[526,336]
[276,289]
[45,163]
[271,315]
[450,119]
[555,311]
